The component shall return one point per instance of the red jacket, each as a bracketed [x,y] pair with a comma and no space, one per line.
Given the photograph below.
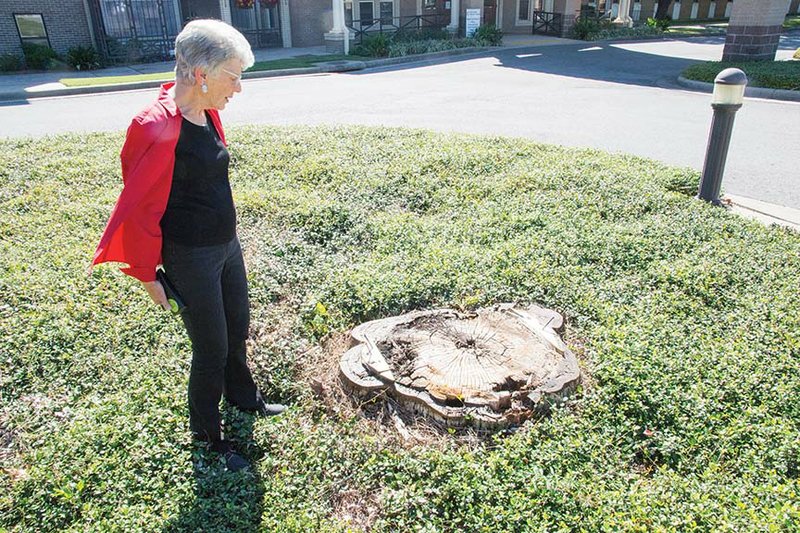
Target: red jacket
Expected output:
[133,233]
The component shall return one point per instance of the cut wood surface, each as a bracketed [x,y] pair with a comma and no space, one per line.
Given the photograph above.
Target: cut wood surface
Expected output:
[489,361]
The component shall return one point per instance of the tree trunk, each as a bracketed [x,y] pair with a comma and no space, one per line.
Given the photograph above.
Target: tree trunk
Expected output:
[663,9]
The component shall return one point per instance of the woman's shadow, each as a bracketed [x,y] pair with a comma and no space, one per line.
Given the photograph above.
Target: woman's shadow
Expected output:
[225,501]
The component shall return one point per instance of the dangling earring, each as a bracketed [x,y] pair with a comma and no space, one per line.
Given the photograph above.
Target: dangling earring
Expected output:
[204,88]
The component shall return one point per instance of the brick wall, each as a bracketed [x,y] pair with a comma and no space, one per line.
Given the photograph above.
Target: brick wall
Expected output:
[754,30]
[311,19]
[65,21]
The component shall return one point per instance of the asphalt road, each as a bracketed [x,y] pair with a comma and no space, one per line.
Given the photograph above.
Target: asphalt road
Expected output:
[619,98]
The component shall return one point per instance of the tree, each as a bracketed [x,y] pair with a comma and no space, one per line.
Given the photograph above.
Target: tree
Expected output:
[663,9]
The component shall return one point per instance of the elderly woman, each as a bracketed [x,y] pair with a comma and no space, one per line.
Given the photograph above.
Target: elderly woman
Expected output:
[176,209]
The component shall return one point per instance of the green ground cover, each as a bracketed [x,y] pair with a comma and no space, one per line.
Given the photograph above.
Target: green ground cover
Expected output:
[769,74]
[275,64]
[685,318]
[694,30]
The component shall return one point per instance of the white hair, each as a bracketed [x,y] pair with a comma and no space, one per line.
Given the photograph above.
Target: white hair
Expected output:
[206,44]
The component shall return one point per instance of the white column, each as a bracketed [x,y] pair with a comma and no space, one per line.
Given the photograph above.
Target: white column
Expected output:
[225,11]
[334,39]
[624,14]
[338,16]
[676,10]
[455,12]
[286,24]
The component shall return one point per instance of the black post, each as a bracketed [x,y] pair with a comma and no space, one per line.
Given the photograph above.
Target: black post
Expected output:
[719,140]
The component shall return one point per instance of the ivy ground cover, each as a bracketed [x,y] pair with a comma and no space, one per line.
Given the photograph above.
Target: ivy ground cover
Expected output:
[686,319]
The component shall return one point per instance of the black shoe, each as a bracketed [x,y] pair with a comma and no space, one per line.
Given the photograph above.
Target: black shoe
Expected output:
[267,409]
[233,461]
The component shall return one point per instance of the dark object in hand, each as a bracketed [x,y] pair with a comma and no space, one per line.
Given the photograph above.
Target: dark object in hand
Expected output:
[175,301]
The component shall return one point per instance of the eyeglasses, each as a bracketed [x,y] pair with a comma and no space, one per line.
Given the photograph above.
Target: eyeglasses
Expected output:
[237,78]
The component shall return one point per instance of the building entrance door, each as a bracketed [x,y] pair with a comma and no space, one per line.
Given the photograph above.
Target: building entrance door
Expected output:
[490,12]
[200,9]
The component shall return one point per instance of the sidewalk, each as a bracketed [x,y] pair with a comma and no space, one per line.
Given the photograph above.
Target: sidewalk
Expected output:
[23,86]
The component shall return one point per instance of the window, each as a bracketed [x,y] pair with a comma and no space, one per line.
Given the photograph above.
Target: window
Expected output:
[524,11]
[387,12]
[365,13]
[31,29]
[348,13]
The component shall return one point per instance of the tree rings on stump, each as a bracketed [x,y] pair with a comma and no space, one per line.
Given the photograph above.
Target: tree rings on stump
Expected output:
[490,368]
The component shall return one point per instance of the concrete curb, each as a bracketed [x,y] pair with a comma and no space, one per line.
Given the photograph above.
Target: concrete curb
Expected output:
[764,212]
[322,68]
[434,55]
[753,92]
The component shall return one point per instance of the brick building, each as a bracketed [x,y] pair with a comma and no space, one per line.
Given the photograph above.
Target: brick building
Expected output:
[59,24]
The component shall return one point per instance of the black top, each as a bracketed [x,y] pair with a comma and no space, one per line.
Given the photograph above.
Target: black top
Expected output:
[200,208]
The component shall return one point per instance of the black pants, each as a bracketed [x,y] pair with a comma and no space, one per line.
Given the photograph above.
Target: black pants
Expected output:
[213,284]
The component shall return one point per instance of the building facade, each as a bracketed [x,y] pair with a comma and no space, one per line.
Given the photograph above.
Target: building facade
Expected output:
[60,25]
[519,16]
[140,30]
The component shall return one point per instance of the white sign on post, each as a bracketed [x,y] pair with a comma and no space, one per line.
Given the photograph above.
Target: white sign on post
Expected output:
[473,21]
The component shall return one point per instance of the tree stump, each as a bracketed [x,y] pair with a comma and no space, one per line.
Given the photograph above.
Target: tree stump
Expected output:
[489,369]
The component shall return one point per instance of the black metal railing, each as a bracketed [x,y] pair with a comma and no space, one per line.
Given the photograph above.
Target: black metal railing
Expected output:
[260,23]
[359,29]
[135,31]
[547,23]
[131,31]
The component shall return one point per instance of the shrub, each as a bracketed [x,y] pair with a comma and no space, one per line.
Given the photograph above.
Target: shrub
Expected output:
[585,29]
[770,74]
[797,54]
[623,33]
[661,24]
[374,46]
[422,34]
[10,62]
[38,57]
[398,49]
[488,35]
[83,58]
[128,51]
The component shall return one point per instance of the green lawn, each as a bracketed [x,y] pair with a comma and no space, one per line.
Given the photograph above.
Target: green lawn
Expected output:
[769,74]
[277,64]
[685,317]
[714,26]
[693,31]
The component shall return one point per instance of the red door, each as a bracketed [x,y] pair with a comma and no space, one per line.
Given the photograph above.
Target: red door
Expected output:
[489,12]
[436,12]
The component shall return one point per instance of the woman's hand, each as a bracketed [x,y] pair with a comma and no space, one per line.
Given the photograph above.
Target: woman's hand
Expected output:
[156,292]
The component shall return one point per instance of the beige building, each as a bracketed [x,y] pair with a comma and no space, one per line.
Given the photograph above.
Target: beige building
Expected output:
[520,16]
[553,17]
